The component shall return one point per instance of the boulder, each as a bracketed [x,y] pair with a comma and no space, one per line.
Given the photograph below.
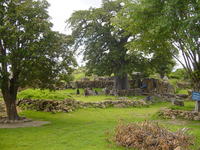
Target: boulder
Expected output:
[182,96]
[177,102]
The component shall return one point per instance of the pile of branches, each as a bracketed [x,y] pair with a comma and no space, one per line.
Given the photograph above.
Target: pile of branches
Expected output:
[151,136]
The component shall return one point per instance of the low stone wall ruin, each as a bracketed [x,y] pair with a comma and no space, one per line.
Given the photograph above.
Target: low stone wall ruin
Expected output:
[94,84]
[70,105]
[152,85]
[182,114]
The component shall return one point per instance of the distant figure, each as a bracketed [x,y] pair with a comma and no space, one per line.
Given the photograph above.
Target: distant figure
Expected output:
[96,92]
[77,91]
[148,98]
[144,86]
[86,92]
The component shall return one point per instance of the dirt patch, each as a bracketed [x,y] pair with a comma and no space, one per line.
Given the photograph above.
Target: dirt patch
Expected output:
[24,124]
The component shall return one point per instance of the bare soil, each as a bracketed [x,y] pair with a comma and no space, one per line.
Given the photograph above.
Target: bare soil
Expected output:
[24,124]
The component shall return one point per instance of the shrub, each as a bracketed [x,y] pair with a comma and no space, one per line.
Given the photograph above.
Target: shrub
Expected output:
[179,74]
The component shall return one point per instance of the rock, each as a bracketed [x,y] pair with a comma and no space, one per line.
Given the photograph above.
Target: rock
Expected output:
[196,118]
[122,98]
[106,91]
[88,92]
[178,148]
[177,102]
[173,117]
[85,79]
[149,98]
[183,96]
[183,85]
[120,105]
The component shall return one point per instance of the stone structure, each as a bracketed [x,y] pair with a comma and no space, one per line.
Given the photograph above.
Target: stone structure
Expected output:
[70,105]
[147,85]
[182,114]
[94,84]
[177,102]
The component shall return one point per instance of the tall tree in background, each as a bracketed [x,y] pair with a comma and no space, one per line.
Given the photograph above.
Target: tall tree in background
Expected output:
[162,64]
[30,53]
[173,23]
[103,43]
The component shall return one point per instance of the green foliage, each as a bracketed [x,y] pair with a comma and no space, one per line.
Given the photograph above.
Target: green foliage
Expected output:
[168,27]
[44,94]
[64,94]
[69,131]
[179,74]
[104,43]
[35,55]
[162,64]
[60,95]
[181,91]
[189,106]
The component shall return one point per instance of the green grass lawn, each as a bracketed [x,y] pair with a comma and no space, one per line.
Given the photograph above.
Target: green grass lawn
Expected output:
[84,129]
[189,106]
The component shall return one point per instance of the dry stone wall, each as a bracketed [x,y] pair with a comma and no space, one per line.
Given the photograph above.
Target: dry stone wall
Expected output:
[151,85]
[182,114]
[70,105]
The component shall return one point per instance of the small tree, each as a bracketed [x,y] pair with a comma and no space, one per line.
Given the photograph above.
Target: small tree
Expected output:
[30,53]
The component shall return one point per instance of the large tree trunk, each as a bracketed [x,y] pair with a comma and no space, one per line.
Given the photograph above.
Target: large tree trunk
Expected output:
[121,83]
[10,101]
[11,109]
[9,91]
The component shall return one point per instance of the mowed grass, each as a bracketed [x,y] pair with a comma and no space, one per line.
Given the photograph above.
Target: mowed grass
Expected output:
[188,106]
[84,129]
[64,94]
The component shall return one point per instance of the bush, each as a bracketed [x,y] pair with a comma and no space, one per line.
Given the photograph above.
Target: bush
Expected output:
[150,136]
[179,74]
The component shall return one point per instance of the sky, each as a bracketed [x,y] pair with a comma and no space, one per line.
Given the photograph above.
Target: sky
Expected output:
[61,10]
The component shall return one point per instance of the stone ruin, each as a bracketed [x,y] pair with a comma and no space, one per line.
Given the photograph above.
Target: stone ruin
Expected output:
[147,85]
[153,86]
[70,105]
[180,114]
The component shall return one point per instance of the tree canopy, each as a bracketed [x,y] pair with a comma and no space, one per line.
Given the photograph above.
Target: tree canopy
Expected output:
[30,52]
[167,26]
[103,43]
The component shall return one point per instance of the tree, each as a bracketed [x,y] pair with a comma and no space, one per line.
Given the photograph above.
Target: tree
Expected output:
[162,64]
[30,53]
[103,43]
[173,23]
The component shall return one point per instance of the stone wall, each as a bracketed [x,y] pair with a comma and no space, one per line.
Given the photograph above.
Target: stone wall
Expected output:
[182,114]
[152,85]
[94,84]
[70,105]
[131,92]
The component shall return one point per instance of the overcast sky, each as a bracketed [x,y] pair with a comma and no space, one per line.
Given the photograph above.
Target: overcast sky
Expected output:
[61,10]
